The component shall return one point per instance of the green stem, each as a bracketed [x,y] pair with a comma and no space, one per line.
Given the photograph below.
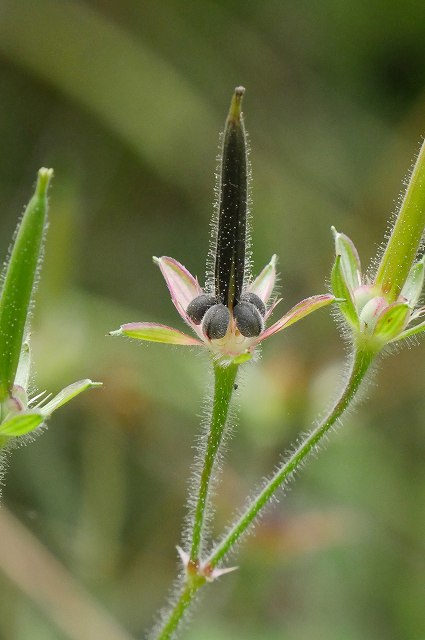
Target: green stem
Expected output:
[181,605]
[362,360]
[361,363]
[224,380]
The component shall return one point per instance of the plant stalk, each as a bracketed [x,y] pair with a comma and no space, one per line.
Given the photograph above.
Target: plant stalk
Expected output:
[361,363]
[224,380]
[362,359]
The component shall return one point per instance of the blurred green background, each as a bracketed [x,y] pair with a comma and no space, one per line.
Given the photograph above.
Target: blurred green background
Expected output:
[125,100]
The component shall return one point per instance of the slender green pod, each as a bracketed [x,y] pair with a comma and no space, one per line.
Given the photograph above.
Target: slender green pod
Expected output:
[19,282]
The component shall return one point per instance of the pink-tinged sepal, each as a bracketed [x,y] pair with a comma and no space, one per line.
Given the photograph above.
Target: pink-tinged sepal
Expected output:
[301,310]
[264,283]
[391,322]
[413,286]
[342,290]
[272,308]
[213,573]
[205,570]
[23,416]
[182,285]
[409,333]
[350,261]
[153,332]
[65,395]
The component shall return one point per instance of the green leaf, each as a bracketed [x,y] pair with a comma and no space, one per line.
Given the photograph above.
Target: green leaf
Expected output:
[350,261]
[341,290]
[21,424]
[19,281]
[392,321]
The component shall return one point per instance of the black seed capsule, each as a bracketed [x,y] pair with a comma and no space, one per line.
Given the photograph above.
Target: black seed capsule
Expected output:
[231,233]
[199,306]
[248,319]
[255,300]
[216,321]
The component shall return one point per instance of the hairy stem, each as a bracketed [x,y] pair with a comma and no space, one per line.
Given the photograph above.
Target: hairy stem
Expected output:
[177,612]
[361,362]
[224,380]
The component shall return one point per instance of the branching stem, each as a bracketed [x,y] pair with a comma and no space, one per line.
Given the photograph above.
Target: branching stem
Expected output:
[361,363]
[224,382]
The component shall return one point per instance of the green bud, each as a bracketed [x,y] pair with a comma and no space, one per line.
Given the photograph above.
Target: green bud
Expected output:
[19,281]
[406,235]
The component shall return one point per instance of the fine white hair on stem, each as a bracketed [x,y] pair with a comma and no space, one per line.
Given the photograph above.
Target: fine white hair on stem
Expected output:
[171,601]
[200,447]
[283,487]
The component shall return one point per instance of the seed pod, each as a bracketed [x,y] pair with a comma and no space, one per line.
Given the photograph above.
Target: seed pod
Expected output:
[216,322]
[248,319]
[233,189]
[199,306]
[256,301]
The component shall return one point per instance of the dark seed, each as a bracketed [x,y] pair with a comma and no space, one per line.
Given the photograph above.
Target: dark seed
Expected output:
[248,319]
[255,300]
[216,321]
[199,306]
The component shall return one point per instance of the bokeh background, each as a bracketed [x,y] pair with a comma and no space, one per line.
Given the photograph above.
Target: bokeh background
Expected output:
[125,100]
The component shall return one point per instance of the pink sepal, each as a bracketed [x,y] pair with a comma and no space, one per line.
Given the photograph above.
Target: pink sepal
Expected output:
[264,283]
[302,309]
[153,332]
[182,285]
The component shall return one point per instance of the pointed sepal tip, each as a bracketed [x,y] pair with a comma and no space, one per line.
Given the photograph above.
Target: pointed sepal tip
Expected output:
[236,104]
